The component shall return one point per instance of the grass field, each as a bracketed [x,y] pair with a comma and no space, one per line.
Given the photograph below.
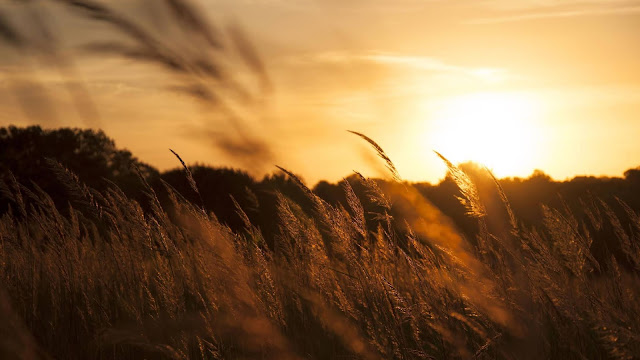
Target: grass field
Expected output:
[104,279]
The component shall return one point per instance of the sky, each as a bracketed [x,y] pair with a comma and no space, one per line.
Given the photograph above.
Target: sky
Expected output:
[515,85]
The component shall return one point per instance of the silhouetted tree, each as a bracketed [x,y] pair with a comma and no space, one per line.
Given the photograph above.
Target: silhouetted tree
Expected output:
[28,153]
[218,187]
[93,157]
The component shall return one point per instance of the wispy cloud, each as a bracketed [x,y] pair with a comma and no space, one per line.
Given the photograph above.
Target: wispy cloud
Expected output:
[395,5]
[421,63]
[536,10]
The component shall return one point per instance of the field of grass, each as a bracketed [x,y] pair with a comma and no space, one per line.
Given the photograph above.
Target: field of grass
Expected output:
[106,279]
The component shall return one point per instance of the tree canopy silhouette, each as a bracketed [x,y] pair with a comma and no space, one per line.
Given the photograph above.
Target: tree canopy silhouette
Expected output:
[30,155]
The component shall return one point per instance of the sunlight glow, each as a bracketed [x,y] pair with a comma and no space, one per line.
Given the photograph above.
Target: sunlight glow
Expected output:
[498,130]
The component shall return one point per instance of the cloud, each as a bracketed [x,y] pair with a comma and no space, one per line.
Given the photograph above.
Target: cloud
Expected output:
[395,5]
[411,62]
[537,10]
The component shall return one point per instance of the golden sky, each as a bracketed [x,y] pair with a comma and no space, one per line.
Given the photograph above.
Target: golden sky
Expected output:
[517,85]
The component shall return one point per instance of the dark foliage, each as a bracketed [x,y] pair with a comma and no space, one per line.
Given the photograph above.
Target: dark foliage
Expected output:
[32,155]
[29,154]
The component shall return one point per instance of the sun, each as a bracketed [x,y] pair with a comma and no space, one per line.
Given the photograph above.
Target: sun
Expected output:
[498,130]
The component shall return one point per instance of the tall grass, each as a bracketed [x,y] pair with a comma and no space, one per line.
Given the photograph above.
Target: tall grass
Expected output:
[111,281]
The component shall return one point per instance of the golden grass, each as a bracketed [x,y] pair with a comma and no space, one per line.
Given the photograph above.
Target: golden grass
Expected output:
[114,282]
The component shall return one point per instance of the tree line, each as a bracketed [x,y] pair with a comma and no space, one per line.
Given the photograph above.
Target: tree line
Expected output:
[35,157]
